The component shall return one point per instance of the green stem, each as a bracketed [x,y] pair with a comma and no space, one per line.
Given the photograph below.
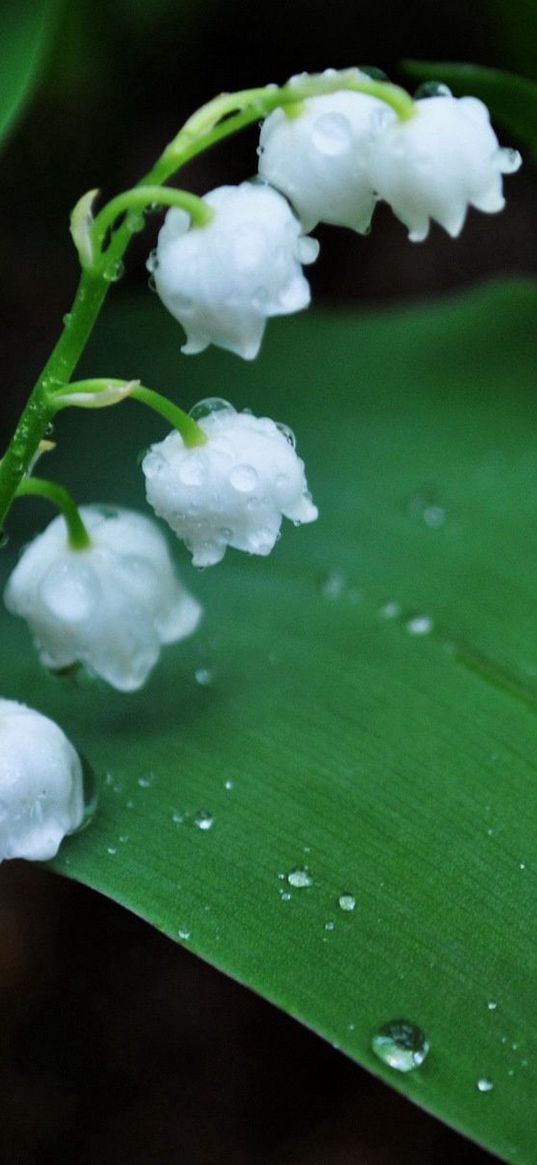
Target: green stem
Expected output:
[77,534]
[190,432]
[231,112]
[140,197]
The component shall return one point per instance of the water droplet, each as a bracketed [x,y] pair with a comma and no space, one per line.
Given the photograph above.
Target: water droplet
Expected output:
[329,925]
[432,89]
[90,792]
[492,1005]
[333,584]
[243,478]
[135,221]
[146,780]
[331,134]
[67,319]
[123,838]
[111,849]
[522,866]
[374,73]
[208,406]
[434,516]
[285,896]
[284,429]
[204,676]
[510,160]
[484,1084]
[229,785]
[192,469]
[114,271]
[300,877]
[204,820]
[401,1044]
[346,902]
[184,934]
[390,610]
[419,625]
[178,817]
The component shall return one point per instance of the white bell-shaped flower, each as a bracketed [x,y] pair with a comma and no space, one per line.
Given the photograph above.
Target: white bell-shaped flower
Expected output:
[231,491]
[320,158]
[224,279]
[41,784]
[108,607]
[439,162]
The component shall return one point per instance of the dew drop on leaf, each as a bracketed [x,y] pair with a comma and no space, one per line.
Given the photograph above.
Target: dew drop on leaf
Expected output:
[204,820]
[299,878]
[401,1044]
[346,902]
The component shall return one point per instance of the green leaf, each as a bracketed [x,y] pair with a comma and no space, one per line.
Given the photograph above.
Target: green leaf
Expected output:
[27,27]
[511,99]
[361,704]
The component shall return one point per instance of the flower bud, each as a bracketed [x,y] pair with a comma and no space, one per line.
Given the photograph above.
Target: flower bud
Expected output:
[109,606]
[41,784]
[439,162]
[224,279]
[231,491]
[320,158]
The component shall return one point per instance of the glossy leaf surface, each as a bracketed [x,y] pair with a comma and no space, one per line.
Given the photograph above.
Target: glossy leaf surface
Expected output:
[360,706]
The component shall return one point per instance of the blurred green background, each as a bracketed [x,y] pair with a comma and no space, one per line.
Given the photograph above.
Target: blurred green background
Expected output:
[118,1045]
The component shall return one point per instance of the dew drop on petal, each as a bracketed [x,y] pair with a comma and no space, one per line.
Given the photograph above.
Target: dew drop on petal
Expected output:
[184,934]
[287,433]
[331,134]
[346,902]
[401,1044]
[208,406]
[432,89]
[204,676]
[192,469]
[484,1084]
[243,478]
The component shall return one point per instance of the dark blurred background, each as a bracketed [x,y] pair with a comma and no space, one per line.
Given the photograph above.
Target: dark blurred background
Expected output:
[116,1044]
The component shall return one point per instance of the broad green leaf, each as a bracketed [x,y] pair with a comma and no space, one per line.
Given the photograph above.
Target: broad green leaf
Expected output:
[26,28]
[362,704]
[511,99]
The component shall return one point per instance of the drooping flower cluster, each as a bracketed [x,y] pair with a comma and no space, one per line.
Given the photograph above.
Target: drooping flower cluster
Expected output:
[41,784]
[231,491]
[332,159]
[110,606]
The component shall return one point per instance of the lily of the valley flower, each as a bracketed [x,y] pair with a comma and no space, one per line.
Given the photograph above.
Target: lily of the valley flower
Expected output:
[319,158]
[224,279]
[439,162]
[109,606]
[231,491]
[41,784]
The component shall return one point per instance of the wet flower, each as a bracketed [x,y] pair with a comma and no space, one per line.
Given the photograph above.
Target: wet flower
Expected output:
[41,784]
[108,607]
[320,158]
[224,279]
[441,161]
[231,491]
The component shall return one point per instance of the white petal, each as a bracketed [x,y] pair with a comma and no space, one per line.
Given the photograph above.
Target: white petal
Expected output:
[41,784]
